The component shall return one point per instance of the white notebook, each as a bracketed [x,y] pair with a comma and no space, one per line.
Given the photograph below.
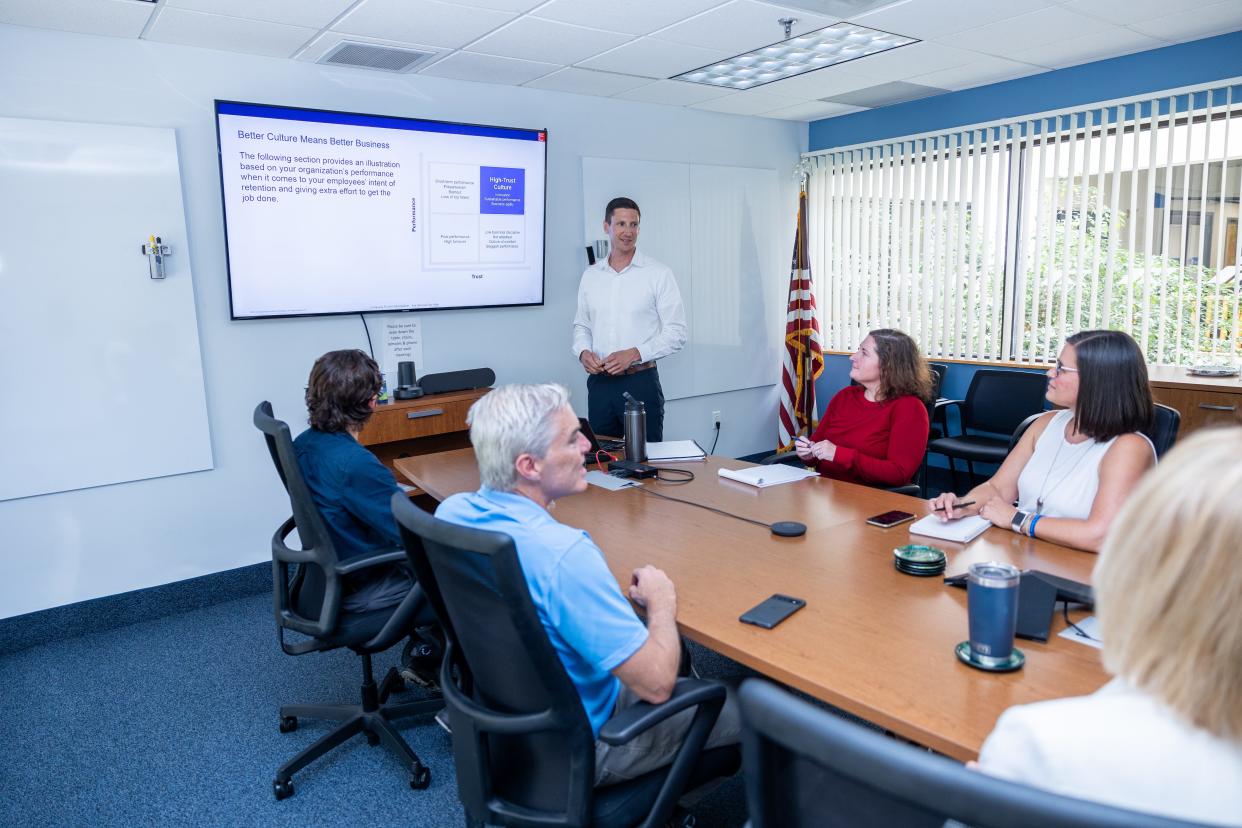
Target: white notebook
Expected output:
[675,450]
[764,476]
[962,530]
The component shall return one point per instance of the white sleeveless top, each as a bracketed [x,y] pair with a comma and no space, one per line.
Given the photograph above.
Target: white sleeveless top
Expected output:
[1066,475]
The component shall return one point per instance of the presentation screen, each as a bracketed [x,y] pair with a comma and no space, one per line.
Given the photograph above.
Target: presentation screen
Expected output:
[334,212]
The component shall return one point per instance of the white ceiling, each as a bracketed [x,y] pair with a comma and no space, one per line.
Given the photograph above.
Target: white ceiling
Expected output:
[628,48]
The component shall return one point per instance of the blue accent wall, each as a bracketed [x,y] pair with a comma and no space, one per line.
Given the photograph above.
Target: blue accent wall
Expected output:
[1199,61]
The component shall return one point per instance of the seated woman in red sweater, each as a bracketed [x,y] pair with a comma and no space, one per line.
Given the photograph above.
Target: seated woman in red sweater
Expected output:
[875,432]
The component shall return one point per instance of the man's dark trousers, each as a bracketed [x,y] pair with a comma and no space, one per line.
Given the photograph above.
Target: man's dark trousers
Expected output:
[606,402]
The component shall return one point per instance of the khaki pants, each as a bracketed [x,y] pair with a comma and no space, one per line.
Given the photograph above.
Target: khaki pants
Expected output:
[658,746]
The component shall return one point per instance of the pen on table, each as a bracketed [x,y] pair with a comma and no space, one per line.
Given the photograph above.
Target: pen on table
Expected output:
[960,504]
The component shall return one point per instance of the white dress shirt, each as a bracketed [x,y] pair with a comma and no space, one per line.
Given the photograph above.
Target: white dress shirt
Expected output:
[1122,747]
[640,307]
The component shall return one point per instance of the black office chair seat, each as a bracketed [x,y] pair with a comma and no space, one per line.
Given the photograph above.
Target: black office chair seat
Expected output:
[615,806]
[978,448]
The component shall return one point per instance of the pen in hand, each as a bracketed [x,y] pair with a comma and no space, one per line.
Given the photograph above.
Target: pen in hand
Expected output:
[959,505]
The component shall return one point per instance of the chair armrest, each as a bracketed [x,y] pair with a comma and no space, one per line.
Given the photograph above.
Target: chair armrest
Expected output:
[489,721]
[367,561]
[284,553]
[907,489]
[940,411]
[402,622]
[632,721]
[788,458]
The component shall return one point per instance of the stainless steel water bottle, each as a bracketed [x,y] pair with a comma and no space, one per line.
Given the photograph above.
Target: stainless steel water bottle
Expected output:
[635,429]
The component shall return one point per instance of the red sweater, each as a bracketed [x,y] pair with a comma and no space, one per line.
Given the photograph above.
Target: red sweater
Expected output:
[878,443]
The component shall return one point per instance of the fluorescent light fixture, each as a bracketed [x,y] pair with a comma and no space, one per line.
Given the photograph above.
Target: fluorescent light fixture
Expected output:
[794,56]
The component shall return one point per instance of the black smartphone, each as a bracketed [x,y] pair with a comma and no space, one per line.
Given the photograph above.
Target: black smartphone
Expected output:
[888,519]
[772,611]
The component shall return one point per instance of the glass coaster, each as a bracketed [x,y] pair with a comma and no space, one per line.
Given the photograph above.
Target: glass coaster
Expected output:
[967,656]
[918,571]
[920,555]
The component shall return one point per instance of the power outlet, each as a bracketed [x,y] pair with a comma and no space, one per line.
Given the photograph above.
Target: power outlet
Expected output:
[715,418]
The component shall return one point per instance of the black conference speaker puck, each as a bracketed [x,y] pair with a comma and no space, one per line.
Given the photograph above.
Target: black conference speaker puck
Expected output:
[788,528]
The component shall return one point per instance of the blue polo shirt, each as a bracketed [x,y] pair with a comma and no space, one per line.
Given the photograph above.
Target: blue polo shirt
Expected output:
[590,623]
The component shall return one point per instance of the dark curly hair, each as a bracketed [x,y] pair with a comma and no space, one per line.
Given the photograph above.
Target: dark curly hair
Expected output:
[339,391]
[903,371]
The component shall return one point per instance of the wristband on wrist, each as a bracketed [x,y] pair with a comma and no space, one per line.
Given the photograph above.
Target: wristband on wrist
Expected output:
[1019,518]
[1030,530]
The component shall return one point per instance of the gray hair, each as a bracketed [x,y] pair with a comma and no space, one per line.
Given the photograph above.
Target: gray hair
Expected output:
[508,422]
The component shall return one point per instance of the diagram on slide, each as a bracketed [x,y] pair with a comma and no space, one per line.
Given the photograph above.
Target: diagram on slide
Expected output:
[475,215]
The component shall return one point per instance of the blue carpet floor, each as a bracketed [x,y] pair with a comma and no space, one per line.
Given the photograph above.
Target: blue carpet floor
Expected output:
[174,722]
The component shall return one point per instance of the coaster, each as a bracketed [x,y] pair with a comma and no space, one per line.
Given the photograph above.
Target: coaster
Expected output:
[967,656]
[918,560]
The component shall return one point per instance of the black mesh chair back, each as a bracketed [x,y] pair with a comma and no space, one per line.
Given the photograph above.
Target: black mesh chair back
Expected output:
[804,766]
[307,597]
[1164,427]
[506,663]
[998,400]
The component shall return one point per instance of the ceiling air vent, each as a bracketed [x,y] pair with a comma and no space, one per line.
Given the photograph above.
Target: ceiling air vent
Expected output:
[370,56]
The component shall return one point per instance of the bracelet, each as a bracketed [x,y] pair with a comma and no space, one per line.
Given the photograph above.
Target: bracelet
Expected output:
[1025,523]
[1031,529]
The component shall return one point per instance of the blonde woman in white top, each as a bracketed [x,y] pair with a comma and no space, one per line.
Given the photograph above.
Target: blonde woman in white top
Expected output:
[1073,469]
[1165,735]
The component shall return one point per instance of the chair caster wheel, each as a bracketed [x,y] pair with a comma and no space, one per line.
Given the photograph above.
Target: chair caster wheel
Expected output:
[288,724]
[373,739]
[282,788]
[420,778]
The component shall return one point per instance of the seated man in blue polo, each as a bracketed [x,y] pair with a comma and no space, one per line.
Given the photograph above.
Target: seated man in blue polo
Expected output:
[530,453]
[353,489]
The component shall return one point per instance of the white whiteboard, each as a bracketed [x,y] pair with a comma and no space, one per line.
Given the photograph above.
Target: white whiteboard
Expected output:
[101,374]
[716,227]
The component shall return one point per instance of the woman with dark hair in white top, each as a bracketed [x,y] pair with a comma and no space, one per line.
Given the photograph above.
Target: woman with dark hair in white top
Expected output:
[1073,469]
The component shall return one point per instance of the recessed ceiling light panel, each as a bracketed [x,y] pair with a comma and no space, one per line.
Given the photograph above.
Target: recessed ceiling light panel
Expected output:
[795,55]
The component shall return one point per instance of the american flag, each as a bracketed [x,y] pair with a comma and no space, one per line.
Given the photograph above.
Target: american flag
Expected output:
[803,358]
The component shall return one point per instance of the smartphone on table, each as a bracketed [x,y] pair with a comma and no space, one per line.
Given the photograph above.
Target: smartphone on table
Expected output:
[890,519]
[772,611]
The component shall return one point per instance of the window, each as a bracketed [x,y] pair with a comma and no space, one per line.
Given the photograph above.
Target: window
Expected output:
[996,242]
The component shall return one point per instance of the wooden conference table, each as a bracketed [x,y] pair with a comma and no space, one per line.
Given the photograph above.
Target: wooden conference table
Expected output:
[871,640]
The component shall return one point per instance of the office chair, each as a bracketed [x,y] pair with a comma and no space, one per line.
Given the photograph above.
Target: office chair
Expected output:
[522,744]
[309,600]
[997,402]
[1165,423]
[804,766]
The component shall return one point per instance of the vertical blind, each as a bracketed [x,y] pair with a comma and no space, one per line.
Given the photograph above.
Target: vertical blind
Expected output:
[996,241]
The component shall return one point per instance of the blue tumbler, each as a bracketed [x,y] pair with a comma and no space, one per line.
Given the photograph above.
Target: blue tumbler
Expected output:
[992,606]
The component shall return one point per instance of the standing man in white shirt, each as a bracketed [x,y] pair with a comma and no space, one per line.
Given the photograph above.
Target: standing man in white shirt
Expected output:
[629,316]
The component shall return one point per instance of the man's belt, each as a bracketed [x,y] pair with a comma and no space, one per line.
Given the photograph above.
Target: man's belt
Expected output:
[640,366]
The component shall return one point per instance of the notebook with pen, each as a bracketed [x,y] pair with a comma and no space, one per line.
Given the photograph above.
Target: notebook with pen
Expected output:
[961,530]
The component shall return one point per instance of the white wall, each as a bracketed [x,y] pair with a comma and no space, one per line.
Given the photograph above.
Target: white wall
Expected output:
[77,545]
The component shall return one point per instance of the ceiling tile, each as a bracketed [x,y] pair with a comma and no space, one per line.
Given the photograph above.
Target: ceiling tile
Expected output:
[1098,46]
[421,21]
[313,13]
[653,58]
[822,83]
[586,82]
[636,17]
[229,34]
[1025,31]
[674,93]
[530,38]
[907,61]
[1211,20]
[507,5]
[985,69]
[740,26]
[812,111]
[319,47]
[489,69]
[1125,12]
[114,18]
[751,102]
[926,19]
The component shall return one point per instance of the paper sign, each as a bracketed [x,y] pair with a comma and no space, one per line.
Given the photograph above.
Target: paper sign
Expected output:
[402,342]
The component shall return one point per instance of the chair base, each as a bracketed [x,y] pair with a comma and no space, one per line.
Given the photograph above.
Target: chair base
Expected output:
[373,717]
